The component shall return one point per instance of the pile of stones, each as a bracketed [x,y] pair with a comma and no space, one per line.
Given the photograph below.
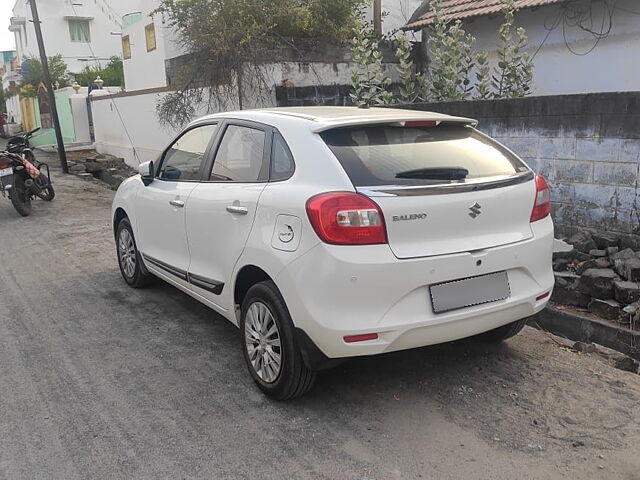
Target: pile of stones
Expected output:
[89,164]
[601,275]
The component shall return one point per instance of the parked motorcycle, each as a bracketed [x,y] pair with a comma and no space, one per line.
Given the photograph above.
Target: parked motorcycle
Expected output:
[22,180]
[20,144]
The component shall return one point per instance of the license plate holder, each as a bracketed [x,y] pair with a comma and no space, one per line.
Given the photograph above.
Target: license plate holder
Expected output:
[5,172]
[469,292]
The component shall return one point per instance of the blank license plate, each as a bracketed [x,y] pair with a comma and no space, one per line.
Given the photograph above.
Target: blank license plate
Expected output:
[469,291]
[4,172]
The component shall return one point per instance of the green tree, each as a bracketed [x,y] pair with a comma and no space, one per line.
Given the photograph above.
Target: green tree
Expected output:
[112,74]
[32,72]
[229,41]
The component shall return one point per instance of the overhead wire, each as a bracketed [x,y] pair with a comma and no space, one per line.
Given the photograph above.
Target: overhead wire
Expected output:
[113,103]
[574,15]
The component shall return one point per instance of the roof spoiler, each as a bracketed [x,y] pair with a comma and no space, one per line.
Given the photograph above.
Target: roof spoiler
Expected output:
[399,121]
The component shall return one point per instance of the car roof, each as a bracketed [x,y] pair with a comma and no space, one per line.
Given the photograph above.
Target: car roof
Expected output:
[325,118]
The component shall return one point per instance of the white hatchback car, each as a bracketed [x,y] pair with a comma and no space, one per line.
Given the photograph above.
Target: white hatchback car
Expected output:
[332,232]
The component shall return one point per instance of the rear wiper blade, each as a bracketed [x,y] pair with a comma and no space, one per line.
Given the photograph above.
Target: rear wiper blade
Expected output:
[436,173]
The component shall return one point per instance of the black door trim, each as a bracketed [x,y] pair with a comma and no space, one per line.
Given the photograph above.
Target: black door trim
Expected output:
[208,284]
[213,286]
[182,274]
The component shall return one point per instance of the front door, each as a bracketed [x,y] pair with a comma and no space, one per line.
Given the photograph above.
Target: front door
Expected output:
[221,210]
[161,206]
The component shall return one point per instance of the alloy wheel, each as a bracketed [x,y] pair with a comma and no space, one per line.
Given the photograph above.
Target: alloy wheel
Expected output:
[262,339]
[127,253]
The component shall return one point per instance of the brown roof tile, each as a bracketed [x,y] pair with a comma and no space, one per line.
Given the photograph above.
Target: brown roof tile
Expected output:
[460,9]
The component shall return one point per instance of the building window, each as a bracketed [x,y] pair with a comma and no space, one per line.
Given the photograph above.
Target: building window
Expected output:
[150,36]
[126,47]
[79,31]
[131,18]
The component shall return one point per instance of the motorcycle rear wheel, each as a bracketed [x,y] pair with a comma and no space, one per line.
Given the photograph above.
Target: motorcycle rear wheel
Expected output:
[20,199]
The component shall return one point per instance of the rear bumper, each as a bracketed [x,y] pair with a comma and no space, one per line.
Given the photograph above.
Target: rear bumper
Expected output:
[334,291]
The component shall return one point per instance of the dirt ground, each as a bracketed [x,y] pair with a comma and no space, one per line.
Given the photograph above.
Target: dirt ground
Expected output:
[98,380]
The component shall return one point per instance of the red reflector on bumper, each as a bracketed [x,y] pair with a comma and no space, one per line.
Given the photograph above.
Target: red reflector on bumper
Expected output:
[360,338]
[544,295]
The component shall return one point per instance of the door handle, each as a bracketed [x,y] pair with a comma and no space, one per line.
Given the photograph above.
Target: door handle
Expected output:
[176,203]
[237,209]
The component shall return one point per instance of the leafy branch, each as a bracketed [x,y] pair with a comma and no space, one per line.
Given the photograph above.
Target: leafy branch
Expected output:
[369,82]
[514,73]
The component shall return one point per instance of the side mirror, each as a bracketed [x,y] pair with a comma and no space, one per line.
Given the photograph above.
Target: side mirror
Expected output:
[147,172]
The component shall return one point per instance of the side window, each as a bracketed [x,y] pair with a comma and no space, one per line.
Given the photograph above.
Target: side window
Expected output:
[240,157]
[282,165]
[183,159]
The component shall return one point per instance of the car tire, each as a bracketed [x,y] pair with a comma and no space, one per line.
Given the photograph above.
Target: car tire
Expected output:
[129,259]
[503,333]
[267,337]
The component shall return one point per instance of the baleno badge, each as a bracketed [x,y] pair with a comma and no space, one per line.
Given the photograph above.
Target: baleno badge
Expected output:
[409,216]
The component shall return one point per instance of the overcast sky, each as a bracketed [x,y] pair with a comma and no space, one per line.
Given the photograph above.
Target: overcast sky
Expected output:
[7,41]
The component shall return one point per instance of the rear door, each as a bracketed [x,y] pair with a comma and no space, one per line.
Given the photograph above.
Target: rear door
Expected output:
[442,188]
[222,208]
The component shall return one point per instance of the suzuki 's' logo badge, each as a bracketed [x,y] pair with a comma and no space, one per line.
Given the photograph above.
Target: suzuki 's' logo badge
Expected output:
[475,210]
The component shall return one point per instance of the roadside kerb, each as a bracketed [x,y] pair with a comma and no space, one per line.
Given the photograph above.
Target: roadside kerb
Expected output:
[586,329]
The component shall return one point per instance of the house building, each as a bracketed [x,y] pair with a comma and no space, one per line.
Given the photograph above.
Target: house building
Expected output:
[9,72]
[79,30]
[146,44]
[579,46]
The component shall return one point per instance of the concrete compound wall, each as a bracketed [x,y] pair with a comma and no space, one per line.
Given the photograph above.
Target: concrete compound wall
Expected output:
[587,146]
[122,122]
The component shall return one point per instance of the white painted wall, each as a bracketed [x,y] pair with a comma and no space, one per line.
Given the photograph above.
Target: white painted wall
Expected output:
[612,66]
[317,73]
[80,115]
[139,122]
[9,77]
[106,16]
[13,109]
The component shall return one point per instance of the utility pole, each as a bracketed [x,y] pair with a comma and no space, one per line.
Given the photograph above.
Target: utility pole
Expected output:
[377,17]
[49,87]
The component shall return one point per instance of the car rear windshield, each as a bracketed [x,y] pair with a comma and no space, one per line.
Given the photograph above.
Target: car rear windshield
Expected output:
[397,155]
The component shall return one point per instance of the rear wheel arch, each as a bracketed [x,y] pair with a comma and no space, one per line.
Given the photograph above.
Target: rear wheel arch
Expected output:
[246,278]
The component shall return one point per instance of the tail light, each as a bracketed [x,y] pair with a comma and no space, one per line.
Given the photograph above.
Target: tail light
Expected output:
[542,205]
[346,218]
[4,163]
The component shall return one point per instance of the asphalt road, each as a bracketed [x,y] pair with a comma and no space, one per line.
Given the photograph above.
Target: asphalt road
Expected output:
[98,380]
